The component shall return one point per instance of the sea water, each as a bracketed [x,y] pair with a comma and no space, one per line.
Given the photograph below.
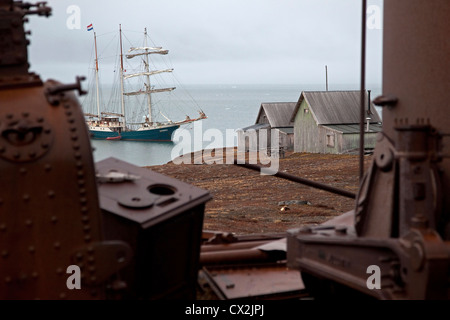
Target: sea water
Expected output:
[228,107]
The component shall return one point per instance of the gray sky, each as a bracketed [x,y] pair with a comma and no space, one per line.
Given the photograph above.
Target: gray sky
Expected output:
[217,41]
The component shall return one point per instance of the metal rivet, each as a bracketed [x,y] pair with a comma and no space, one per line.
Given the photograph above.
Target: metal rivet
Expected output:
[90,249]
[84,209]
[29,222]
[8,279]
[79,256]
[2,149]
[81,182]
[26,197]
[32,154]
[62,295]
[54,219]
[5,254]
[74,137]
[34,275]
[59,271]
[25,114]
[31,249]
[83,200]
[76,146]
[82,191]
[16,155]
[40,119]
[48,167]
[47,131]
[87,238]
[77,155]
[51,194]
[73,129]
[23,170]
[2,227]
[44,145]
[57,245]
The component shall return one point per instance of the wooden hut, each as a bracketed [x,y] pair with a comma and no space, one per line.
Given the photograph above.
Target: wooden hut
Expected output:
[328,122]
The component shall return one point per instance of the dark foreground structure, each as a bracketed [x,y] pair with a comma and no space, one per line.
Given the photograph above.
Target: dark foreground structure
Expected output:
[400,225]
[72,229]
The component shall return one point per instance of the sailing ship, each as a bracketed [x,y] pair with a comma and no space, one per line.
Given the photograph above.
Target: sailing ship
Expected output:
[108,125]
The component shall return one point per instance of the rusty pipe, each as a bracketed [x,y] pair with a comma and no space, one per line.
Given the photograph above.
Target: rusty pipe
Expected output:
[234,256]
[233,246]
[304,181]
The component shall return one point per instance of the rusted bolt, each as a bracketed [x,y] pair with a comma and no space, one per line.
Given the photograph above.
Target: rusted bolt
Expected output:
[385,101]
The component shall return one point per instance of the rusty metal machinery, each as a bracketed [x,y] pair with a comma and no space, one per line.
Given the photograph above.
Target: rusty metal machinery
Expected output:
[162,219]
[400,224]
[49,213]
[56,216]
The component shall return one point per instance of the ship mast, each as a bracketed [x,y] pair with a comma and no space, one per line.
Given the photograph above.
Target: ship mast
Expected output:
[147,70]
[121,79]
[146,51]
[96,76]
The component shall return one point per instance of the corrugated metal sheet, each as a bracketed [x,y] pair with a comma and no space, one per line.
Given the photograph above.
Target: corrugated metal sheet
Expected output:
[256,127]
[288,130]
[278,114]
[335,107]
[354,128]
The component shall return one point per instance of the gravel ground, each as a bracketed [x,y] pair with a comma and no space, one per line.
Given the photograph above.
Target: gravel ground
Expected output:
[246,202]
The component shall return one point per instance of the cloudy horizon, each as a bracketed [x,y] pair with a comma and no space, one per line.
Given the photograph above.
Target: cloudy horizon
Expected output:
[216,42]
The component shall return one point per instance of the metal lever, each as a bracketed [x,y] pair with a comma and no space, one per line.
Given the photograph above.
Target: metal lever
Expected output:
[68,87]
[41,8]
[52,92]
[385,101]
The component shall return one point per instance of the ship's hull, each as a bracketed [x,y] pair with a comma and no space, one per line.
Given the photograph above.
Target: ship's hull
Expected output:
[151,134]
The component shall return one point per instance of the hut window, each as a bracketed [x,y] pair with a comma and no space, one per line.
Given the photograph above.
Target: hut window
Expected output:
[330,140]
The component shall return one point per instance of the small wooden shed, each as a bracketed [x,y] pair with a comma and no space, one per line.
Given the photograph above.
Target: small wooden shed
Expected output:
[274,118]
[328,122]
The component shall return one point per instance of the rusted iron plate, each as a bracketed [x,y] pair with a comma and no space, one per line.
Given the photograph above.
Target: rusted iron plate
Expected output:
[269,281]
[149,198]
